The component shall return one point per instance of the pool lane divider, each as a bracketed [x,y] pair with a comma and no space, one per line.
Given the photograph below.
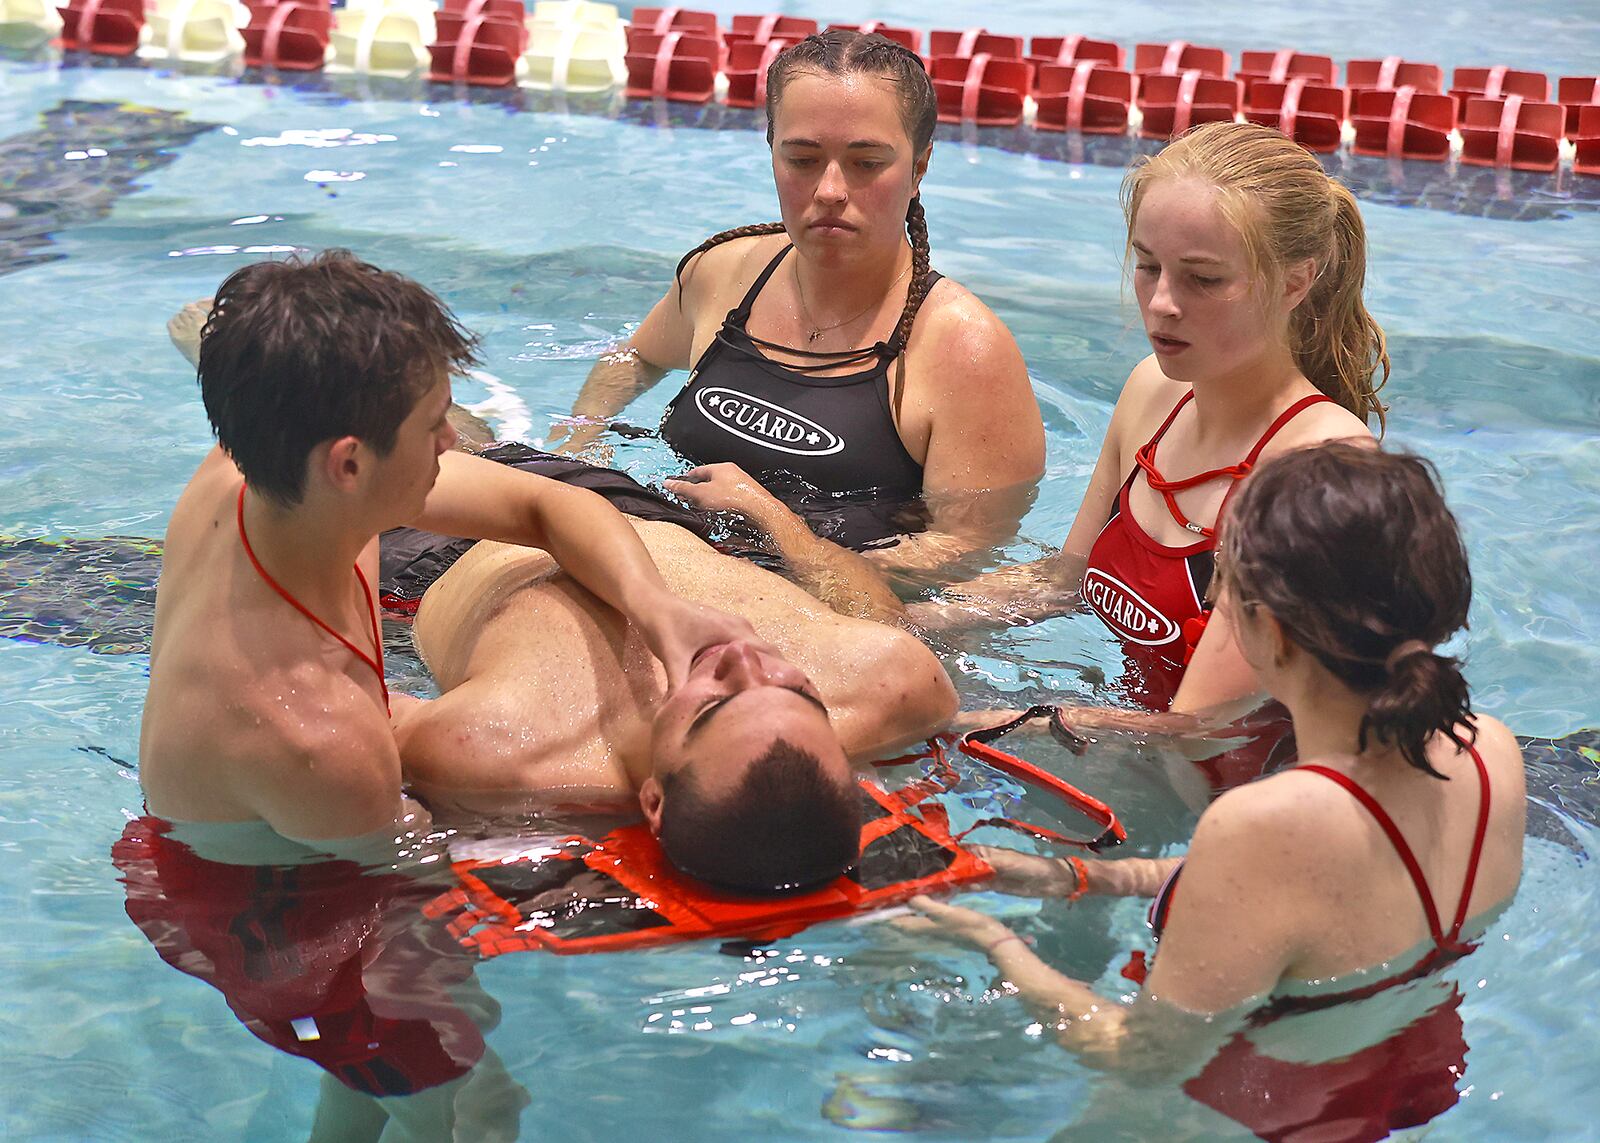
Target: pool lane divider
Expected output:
[1391,107]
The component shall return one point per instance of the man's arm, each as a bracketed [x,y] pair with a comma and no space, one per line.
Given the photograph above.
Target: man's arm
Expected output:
[837,576]
[591,541]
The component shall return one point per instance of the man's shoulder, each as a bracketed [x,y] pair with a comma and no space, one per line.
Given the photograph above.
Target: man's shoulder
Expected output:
[227,735]
[895,674]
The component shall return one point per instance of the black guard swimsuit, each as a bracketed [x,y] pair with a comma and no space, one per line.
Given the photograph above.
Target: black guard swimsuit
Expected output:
[826,446]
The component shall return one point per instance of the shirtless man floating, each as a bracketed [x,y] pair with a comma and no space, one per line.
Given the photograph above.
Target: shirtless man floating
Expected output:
[743,771]
[327,383]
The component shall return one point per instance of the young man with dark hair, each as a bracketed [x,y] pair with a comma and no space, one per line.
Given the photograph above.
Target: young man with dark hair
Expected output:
[327,382]
[786,826]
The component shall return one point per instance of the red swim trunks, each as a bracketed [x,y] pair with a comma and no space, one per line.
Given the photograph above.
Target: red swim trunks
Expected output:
[305,956]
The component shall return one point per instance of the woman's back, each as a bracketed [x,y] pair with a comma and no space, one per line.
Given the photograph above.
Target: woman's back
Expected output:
[1328,872]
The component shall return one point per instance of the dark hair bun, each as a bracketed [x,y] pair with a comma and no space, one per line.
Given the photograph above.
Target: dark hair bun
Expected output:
[1354,551]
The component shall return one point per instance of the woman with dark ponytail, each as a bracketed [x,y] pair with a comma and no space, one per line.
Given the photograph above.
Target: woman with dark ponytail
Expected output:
[1380,857]
[831,363]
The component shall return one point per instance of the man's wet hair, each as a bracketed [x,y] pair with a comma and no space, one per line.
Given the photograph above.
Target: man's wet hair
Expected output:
[785,828]
[302,351]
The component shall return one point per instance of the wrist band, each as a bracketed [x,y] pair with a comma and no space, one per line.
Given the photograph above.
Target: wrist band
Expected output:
[992,945]
[1082,871]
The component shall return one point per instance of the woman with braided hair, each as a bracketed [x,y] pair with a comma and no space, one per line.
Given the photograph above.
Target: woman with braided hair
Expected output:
[831,363]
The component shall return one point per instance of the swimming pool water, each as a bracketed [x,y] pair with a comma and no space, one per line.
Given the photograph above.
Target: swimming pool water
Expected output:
[549,233]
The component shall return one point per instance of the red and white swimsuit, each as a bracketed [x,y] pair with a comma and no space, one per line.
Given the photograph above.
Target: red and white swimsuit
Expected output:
[1153,597]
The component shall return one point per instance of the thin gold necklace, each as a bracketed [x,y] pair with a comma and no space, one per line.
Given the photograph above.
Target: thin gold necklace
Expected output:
[818,330]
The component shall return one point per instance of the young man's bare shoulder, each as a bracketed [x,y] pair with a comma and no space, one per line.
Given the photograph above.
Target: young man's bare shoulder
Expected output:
[314,735]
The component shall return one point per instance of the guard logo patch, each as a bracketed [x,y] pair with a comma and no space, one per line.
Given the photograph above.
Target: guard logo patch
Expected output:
[1125,611]
[763,423]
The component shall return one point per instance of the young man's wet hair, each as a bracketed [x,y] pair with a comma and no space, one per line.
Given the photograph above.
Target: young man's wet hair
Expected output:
[786,827]
[303,351]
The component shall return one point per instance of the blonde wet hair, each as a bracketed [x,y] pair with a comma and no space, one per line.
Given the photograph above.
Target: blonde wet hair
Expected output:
[1287,209]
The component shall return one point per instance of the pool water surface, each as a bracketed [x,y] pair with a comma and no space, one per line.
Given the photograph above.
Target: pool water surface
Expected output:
[550,232]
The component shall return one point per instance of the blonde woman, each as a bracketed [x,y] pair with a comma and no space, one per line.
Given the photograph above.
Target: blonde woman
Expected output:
[1248,263]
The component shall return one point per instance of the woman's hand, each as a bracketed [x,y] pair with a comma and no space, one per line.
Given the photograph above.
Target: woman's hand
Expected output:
[1028,874]
[728,488]
[956,923]
[680,630]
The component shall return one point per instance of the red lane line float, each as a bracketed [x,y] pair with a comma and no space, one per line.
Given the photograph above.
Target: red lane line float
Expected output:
[1090,96]
[1178,57]
[1284,65]
[1587,139]
[982,89]
[290,36]
[971,41]
[482,51]
[1069,50]
[1174,103]
[1497,83]
[1574,92]
[1515,132]
[105,27]
[906,37]
[1391,73]
[760,29]
[1310,113]
[510,12]
[748,61]
[692,22]
[1402,124]
[660,21]
[676,66]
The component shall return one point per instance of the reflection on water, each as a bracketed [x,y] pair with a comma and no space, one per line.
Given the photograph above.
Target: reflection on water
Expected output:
[72,170]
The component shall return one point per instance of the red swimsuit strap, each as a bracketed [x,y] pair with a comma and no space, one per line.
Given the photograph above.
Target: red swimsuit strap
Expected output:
[1450,941]
[1145,458]
[372,612]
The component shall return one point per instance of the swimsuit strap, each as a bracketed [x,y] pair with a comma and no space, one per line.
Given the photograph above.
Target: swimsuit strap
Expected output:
[1145,458]
[1451,941]
[827,359]
[372,612]
[1478,832]
[739,318]
[742,311]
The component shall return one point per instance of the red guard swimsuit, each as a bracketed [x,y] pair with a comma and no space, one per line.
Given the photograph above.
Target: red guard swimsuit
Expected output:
[1403,1081]
[1153,597]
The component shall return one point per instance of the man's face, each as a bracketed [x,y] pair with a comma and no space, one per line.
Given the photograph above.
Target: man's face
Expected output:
[406,475]
[738,699]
